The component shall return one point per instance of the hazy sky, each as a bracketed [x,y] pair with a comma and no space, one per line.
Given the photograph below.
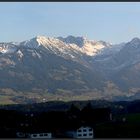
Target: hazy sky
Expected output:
[109,21]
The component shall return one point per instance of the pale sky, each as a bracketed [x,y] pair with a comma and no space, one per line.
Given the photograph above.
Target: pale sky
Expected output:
[113,22]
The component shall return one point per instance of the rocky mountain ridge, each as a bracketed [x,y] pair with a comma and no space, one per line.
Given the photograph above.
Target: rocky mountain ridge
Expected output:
[72,68]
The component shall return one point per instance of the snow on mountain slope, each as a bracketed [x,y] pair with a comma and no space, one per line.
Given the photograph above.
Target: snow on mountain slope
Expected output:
[53,45]
[78,49]
[70,46]
[7,48]
[92,48]
[79,41]
[108,52]
[88,47]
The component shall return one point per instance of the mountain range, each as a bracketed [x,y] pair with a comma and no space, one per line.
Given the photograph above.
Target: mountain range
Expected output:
[72,68]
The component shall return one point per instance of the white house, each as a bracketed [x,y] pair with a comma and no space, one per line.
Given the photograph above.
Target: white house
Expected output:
[20,135]
[40,135]
[82,132]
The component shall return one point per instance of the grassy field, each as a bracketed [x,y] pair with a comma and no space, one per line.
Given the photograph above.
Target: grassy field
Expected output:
[120,129]
[130,118]
[5,100]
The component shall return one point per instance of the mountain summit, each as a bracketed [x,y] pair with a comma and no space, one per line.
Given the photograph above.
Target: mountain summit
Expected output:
[134,40]
[79,41]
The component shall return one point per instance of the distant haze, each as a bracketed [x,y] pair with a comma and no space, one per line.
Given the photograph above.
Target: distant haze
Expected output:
[113,22]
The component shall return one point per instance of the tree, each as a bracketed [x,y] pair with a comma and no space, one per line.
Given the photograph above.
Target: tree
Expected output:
[74,110]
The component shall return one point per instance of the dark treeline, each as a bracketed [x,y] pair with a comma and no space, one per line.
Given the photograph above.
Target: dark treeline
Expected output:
[13,121]
[57,117]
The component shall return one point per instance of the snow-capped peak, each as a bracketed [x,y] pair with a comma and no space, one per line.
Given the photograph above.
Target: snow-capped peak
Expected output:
[53,45]
[32,43]
[89,47]
[42,40]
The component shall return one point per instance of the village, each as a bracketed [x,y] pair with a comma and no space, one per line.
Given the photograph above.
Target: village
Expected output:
[73,123]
